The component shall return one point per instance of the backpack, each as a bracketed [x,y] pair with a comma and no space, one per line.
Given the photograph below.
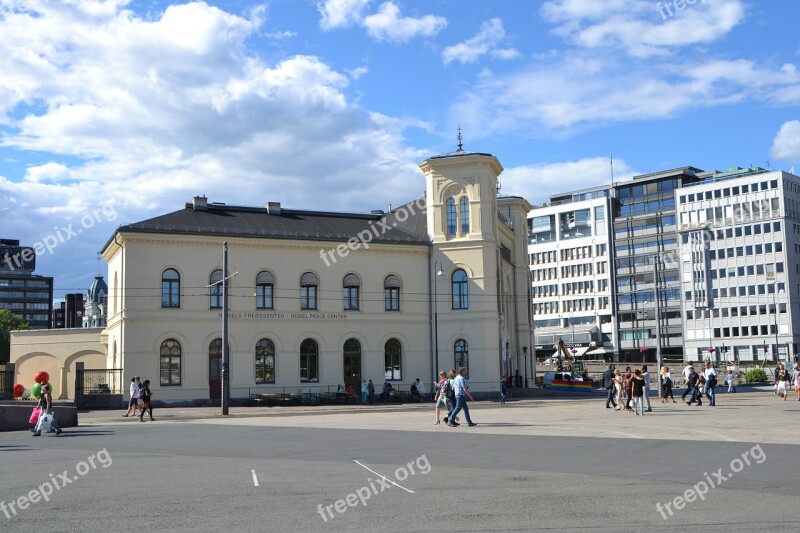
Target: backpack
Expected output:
[446,390]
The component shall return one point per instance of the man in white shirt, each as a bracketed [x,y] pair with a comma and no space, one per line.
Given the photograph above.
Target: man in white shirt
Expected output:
[134,391]
[420,390]
[711,381]
[646,376]
[461,389]
[686,371]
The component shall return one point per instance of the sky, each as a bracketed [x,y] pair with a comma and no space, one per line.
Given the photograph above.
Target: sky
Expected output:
[117,111]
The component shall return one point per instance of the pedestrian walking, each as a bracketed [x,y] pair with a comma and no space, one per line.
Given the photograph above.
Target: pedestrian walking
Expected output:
[797,380]
[608,384]
[619,390]
[134,401]
[691,387]
[710,375]
[451,398]
[440,396]
[646,377]
[666,385]
[503,389]
[637,389]
[627,379]
[146,395]
[461,390]
[47,418]
[364,391]
[731,380]
[783,382]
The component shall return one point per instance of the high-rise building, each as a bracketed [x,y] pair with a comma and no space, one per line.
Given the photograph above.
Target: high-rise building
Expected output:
[21,291]
[69,313]
[569,251]
[739,262]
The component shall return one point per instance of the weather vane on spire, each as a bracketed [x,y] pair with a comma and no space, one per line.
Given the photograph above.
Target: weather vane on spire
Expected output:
[460,140]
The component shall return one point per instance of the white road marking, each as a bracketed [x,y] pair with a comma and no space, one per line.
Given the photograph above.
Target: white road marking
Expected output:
[255,479]
[384,477]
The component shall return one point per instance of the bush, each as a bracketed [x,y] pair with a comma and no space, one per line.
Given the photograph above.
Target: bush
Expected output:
[756,375]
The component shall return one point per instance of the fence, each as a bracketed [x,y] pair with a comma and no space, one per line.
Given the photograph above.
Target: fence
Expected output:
[98,388]
[2,384]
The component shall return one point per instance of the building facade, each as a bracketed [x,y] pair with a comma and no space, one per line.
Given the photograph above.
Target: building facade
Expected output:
[571,276]
[317,300]
[740,273]
[21,291]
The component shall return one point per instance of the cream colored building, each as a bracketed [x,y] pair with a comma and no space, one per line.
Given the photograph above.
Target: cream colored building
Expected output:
[318,299]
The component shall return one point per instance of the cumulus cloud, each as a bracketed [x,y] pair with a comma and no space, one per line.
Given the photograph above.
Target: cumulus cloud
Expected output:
[486,41]
[642,27]
[388,25]
[144,113]
[341,13]
[537,183]
[786,146]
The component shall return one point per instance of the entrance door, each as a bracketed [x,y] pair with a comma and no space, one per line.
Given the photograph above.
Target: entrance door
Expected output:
[215,370]
[352,365]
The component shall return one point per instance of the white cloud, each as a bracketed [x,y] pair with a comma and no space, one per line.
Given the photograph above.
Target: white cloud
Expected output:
[146,113]
[341,13]
[357,72]
[786,146]
[642,27]
[571,92]
[537,183]
[490,35]
[387,24]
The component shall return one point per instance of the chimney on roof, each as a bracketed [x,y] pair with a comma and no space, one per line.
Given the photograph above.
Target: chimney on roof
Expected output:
[199,203]
[377,211]
[273,208]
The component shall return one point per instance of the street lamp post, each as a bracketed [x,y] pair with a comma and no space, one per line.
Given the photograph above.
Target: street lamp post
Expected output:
[437,267]
[775,303]
[525,358]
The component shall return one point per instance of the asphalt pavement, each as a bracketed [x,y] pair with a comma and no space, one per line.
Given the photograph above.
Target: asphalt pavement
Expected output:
[530,465]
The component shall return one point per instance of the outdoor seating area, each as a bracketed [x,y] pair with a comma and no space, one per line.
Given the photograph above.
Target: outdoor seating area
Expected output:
[307,397]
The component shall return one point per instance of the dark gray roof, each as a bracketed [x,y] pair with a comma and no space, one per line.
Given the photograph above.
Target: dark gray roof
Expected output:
[238,221]
[459,153]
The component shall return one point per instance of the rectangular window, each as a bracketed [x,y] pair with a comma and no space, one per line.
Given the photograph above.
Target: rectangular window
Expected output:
[264,297]
[309,368]
[308,297]
[350,297]
[391,298]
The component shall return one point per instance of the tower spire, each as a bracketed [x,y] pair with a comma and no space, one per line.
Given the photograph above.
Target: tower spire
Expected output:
[460,140]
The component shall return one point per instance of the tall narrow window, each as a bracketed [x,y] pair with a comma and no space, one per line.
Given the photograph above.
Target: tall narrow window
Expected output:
[170,363]
[351,285]
[464,206]
[392,358]
[170,288]
[391,293]
[461,354]
[460,290]
[215,289]
[452,217]
[265,282]
[309,361]
[308,291]
[265,362]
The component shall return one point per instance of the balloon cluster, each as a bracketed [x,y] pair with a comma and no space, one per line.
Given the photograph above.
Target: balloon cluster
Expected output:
[42,379]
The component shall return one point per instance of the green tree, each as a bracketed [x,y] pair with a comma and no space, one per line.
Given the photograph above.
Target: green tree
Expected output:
[8,321]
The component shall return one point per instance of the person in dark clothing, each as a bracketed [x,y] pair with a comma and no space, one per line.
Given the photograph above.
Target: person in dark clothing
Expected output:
[627,379]
[697,382]
[689,386]
[637,390]
[146,405]
[608,384]
[370,392]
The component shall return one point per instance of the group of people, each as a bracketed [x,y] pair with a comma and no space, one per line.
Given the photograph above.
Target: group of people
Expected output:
[629,391]
[783,381]
[140,399]
[452,393]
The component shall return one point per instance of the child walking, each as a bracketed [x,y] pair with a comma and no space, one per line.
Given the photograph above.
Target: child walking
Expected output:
[731,379]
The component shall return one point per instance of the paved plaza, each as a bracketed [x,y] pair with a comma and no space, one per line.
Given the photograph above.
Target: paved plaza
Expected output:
[534,464]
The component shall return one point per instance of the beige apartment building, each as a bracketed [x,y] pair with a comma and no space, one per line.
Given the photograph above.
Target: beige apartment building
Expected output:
[318,299]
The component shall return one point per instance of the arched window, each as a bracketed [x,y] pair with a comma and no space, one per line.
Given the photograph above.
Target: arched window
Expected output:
[392,360]
[265,361]
[215,289]
[309,361]
[351,286]
[452,216]
[170,288]
[170,363]
[461,355]
[460,290]
[265,282]
[464,207]
[391,293]
[308,291]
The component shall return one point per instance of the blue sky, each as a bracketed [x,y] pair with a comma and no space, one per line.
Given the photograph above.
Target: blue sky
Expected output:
[113,112]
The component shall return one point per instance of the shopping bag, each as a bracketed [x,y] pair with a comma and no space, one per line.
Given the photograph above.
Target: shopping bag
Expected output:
[44,423]
[37,411]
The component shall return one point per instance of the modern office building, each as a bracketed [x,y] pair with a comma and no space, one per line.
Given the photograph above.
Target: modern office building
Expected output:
[569,249]
[740,265]
[21,291]
[69,313]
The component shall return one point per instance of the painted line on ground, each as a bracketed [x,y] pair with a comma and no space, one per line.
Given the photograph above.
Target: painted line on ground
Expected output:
[382,476]
[255,479]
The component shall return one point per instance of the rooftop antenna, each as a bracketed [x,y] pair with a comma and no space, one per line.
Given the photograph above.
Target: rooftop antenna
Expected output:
[460,140]
[611,154]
